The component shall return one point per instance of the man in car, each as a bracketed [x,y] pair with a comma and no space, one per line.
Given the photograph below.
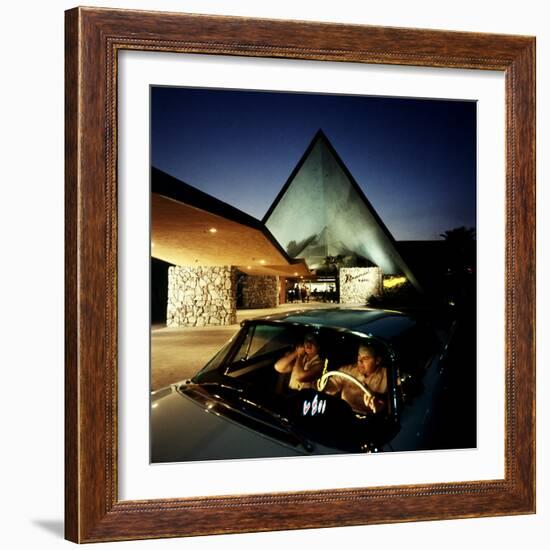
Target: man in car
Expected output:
[371,373]
[303,363]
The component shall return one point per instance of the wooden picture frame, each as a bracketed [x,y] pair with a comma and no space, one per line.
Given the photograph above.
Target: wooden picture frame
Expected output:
[93,511]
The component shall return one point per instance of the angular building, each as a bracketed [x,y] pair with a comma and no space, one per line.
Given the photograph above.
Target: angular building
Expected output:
[322,212]
[218,255]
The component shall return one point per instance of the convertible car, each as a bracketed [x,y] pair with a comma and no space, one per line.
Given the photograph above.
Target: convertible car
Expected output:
[241,406]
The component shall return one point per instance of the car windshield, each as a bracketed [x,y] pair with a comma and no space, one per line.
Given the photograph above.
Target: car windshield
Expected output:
[304,373]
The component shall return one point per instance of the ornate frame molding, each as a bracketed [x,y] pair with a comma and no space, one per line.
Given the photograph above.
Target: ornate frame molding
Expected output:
[93,38]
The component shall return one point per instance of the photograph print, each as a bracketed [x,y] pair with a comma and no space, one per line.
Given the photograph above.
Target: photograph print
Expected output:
[312,274]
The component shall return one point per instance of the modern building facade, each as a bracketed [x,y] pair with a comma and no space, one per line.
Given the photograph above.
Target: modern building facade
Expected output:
[321,212]
[212,248]
[320,223]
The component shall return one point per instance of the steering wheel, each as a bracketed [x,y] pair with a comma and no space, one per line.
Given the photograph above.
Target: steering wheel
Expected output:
[322,382]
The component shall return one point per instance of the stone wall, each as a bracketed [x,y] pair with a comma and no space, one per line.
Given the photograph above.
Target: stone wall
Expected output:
[358,284]
[260,291]
[200,296]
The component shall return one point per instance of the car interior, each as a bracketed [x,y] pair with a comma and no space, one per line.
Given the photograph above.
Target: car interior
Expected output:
[253,362]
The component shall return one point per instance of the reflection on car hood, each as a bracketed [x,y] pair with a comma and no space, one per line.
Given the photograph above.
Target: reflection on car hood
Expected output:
[211,436]
[381,323]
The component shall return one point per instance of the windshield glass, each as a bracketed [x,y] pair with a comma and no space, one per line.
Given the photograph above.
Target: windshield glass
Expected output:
[217,360]
[270,362]
[263,340]
[317,383]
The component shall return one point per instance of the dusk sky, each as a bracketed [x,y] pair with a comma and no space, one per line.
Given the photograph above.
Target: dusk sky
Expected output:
[415,160]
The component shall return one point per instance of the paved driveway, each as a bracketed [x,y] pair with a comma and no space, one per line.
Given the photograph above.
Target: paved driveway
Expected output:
[178,353]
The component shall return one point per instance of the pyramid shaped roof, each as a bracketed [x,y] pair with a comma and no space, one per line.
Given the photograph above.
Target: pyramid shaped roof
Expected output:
[321,211]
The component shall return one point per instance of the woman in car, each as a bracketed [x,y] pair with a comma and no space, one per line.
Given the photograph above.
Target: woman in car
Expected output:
[303,363]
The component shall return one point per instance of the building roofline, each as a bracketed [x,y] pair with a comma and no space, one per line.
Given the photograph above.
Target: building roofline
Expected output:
[173,188]
[318,135]
[321,136]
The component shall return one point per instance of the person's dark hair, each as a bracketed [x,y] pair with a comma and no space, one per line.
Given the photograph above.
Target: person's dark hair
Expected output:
[310,337]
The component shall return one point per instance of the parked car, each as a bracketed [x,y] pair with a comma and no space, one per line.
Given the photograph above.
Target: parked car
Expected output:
[240,406]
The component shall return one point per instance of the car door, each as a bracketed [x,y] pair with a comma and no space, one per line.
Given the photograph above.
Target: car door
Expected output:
[421,384]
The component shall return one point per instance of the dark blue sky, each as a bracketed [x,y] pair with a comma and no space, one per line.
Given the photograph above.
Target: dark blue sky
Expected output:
[414,159]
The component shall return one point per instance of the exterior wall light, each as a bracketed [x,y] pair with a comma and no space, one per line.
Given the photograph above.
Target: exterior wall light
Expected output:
[394,281]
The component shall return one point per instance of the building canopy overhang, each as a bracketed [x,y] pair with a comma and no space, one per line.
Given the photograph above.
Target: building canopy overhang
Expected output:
[191,228]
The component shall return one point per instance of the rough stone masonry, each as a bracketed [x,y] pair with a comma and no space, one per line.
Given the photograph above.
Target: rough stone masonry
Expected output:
[260,291]
[202,295]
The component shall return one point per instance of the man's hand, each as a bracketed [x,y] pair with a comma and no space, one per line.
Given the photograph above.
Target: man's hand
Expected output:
[374,403]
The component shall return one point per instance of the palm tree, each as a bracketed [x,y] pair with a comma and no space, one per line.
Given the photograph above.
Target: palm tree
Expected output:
[459,235]
[460,262]
[459,247]
[331,265]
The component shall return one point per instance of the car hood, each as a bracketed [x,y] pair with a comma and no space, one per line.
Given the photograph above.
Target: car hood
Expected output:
[183,429]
